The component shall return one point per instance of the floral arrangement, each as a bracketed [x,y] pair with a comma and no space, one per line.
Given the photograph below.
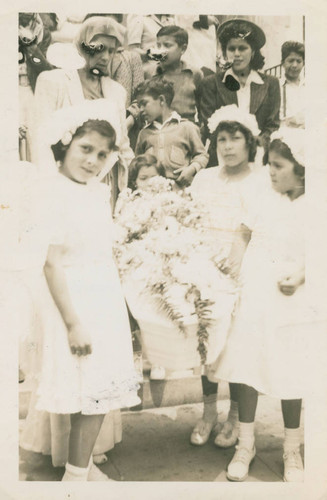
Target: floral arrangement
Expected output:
[160,242]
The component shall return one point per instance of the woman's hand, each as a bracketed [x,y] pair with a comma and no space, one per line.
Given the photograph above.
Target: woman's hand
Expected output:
[79,340]
[186,175]
[289,284]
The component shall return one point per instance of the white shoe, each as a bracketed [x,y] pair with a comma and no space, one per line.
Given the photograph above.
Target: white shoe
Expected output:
[157,372]
[293,466]
[238,468]
[228,434]
[202,431]
[100,459]
[95,474]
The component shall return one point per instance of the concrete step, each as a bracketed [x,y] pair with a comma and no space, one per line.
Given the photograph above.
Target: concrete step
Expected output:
[178,388]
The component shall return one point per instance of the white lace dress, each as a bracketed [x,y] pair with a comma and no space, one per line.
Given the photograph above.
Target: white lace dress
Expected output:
[105,380]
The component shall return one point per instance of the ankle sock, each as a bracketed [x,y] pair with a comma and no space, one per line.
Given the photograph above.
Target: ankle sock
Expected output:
[73,473]
[209,408]
[233,412]
[292,439]
[246,435]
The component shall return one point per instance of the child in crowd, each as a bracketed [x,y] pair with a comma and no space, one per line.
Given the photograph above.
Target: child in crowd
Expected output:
[293,101]
[268,345]
[174,141]
[87,366]
[143,168]
[172,42]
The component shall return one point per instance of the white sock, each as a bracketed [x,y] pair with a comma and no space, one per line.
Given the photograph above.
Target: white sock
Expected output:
[233,412]
[292,439]
[73,473]
[209,408]
[246,435]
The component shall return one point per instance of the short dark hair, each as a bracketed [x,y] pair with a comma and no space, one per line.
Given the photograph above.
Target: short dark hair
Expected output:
[232,127]
[156,87]
[179,34]
[232,31]
[145,160]
[101,126]
[292,46]
[281,148]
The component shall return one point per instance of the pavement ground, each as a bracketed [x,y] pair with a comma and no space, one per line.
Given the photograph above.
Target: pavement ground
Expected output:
[156,447]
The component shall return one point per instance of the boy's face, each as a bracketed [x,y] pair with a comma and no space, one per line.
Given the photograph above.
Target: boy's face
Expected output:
[151,109]
[174,51]
[293,66]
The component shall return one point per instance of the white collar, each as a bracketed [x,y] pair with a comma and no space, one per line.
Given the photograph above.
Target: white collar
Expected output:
[173,117]
[253,76]
[284,80]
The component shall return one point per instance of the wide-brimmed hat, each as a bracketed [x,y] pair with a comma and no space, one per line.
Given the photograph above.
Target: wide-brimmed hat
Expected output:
[241,28]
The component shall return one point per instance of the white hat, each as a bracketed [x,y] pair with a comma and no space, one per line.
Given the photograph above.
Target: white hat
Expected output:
[294,139]
[233,113]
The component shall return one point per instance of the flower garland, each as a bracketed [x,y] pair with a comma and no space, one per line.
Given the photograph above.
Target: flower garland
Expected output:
[160,242]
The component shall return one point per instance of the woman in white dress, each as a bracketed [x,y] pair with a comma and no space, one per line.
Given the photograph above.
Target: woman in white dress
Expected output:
[224,191]
[269,339]
[87,363]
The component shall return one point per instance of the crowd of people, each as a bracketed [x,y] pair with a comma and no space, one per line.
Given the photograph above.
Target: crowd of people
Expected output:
[146,96]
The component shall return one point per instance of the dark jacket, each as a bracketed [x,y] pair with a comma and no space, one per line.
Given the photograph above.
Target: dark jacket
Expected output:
[264,103]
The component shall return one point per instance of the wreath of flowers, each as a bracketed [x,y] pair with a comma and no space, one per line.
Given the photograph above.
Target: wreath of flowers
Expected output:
[160,241]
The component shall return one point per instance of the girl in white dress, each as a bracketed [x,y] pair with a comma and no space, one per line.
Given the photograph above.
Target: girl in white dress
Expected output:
[87,364]
[223,190]
[269,340]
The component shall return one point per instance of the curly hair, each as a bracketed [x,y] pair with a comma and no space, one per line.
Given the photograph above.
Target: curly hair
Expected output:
[101,126]
[145,160]
[282,149]
[156,87]
[232,127]
[292,46]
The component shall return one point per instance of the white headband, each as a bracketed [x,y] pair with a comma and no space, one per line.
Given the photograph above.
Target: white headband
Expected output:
[232,113]
[294,139]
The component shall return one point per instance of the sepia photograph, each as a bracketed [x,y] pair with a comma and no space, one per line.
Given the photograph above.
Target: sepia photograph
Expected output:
[156,274]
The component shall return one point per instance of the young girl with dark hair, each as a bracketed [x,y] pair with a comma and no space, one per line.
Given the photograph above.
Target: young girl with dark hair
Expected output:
[87,368]
[223,190]
[268,342]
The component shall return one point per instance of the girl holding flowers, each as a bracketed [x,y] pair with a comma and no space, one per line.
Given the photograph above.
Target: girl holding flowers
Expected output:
[268,342]
[225,190]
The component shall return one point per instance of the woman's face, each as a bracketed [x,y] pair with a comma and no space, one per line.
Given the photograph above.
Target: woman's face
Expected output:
[145,173]
[293,65]
[282,175]
[85,157]
[232,148]
[240,53]
[101,59]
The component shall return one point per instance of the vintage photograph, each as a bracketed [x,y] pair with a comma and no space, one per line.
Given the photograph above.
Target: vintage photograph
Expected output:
[158,248]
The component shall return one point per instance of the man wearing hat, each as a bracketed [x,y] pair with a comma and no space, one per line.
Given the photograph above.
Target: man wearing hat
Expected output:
[240,82]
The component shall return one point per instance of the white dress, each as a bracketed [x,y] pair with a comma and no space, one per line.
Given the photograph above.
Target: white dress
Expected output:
[269,341]
[225,200]
[104,380]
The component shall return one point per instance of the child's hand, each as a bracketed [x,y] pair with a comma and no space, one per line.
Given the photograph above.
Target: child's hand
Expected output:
[22,132]
[289,284]
[186,175]
[79,340]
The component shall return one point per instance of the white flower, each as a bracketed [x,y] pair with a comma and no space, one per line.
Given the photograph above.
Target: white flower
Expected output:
[233,113]
[67,138]
[294,139]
